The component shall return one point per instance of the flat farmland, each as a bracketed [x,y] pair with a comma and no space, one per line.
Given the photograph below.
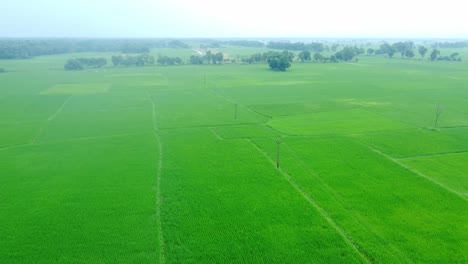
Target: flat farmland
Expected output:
[178,164]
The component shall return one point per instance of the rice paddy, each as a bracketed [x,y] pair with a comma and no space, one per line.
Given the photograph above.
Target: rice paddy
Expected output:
[179,164]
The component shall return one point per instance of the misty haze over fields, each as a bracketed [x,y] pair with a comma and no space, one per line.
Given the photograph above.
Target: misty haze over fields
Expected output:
[227,18]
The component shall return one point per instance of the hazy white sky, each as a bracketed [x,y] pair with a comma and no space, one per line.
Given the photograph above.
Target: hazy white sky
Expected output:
[233,18]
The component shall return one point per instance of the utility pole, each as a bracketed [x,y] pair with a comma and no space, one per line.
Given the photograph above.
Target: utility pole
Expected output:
[438,113]
[278,142]
[235,112]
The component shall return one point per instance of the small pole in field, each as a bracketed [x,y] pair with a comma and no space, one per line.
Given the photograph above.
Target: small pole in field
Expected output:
[278,142]
[235,112]
[438,113]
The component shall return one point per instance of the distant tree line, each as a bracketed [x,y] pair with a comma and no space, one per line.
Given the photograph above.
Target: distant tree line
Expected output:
[131,60]
[29,48]
[84,63]
[297,46]
[348,53]
[245,43]
[450,45]
[435,56]
[207,58]
[407,50]
[166,60]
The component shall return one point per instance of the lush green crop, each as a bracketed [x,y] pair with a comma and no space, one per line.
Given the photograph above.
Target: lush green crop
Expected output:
[178,164]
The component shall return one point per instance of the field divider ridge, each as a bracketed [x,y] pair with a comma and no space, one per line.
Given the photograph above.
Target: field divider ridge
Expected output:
[157,188]
[410,169]
[348,240]
[50,118]
[358,219]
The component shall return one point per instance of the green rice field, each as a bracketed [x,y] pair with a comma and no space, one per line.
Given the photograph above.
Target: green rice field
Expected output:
[178,164]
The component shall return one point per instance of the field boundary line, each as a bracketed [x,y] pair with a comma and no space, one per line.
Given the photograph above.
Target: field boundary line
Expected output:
[16,146]
[216,134]
[434,155]
[162,258]
[411,169]
[153,107]
[51,117]
[356,216]
[348,240]
[211,126]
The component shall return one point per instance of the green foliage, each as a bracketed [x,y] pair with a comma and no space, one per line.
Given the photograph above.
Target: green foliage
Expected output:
[434,54]
[347,54]
[2,70]
[422,51]
[129,48]
[217,58]
[178,44]
[166,60]
[279,61]
[318,57]
[196,60]
[304,56]
[29,48]
[409,53]
[387,49]
[297,46]
[143,164]
[84,63]
[130,60]
[73,65]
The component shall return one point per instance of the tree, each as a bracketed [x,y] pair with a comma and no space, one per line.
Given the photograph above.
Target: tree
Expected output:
[73,65]
[217,58]
[370,51]
[422,51]
[318,57]
[289,55]
[2,70]
[278,61]
[434,54]
[387,49]
[402,47]
[409,53]
[304,55]
[454,56]
[197,60]
[345,54]
[208,56]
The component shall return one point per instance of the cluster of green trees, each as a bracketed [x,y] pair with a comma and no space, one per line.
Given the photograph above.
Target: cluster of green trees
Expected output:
[435,56]
[297,46]
[130,60]
[84,63]
[263,57]
[166,60]
[404,48]
[29,48]
[280,61]
[2,70]
[134,48]
[209,57]
[450,45]
[245,43]
[407,49]
[348,53]
[177,44]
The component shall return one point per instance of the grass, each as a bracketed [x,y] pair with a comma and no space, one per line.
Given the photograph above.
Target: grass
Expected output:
[151,165]
[449,169]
